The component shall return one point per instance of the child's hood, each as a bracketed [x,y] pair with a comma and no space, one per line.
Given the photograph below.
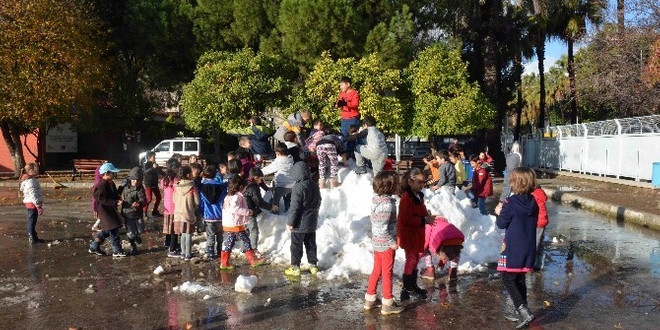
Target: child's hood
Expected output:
[184,186]
[524,204]
[299,172]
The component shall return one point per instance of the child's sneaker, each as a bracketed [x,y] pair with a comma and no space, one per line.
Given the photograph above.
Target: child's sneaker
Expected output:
[428,273]
[173,254]
[97,251]
[314,269]
[390,307]
[292,271]
[187,257]
[119,254]
[155,213]
[371,304]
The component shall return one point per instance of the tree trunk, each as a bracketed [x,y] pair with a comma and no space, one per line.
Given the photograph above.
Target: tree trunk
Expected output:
[620,15]
[13,140]
[540,56]
[571,79]
[519,101]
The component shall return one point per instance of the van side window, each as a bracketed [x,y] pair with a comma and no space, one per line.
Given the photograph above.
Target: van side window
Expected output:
[190,146]
[165,146]
[178,146]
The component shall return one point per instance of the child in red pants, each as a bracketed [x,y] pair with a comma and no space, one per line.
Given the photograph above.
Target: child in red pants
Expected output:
[383,238]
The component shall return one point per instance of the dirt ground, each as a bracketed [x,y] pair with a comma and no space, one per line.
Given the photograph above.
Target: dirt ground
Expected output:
[634,198]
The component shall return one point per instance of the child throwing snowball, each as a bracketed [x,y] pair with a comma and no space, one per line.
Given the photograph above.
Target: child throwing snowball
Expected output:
[383,238]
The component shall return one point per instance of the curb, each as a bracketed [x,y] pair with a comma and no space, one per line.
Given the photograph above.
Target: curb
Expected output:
[617,212]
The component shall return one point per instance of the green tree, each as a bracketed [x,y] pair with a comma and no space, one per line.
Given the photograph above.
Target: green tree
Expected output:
[445,102]
[393,42]
[380,91]
[50,60]
[229,87]
[211,24]
[309,27]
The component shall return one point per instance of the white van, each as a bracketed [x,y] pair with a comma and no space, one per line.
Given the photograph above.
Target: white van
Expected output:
[164,150]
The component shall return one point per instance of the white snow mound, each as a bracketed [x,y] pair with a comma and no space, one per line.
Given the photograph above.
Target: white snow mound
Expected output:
[343,237]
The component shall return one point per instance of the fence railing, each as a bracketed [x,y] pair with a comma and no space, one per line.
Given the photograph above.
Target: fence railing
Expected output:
[619,148]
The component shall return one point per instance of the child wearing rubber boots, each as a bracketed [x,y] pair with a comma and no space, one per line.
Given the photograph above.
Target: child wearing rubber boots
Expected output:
[235,215]
[518,216]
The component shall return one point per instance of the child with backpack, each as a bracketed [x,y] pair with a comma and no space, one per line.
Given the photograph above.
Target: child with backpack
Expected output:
[235,215]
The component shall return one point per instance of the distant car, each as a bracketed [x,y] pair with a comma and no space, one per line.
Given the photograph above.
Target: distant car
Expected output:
[185,146]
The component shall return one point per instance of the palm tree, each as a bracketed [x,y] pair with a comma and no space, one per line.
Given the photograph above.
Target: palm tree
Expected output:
[572,18]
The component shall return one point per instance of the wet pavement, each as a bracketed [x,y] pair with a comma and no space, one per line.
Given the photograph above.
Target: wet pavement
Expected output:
[598,274]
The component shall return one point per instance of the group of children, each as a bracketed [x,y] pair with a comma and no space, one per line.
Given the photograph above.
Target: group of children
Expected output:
[227,199]
[420,234]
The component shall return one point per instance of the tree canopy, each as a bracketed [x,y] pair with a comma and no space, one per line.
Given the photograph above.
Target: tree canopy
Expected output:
[445,102]
[51,63]
[229,87]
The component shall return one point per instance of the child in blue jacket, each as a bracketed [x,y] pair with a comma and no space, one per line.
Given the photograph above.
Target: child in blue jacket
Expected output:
[518,215]
[212,194]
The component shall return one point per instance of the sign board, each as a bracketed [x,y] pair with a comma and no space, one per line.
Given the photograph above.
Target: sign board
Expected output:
[62,138]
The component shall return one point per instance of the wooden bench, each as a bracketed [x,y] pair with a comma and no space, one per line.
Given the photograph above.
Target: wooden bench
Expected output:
[81,166]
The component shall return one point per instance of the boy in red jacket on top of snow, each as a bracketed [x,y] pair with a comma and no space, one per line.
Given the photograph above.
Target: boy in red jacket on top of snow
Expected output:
[482,184]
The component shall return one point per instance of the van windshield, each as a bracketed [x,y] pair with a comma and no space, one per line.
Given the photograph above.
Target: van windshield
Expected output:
[164,146]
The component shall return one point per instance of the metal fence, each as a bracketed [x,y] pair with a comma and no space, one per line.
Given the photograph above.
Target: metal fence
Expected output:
[619,148]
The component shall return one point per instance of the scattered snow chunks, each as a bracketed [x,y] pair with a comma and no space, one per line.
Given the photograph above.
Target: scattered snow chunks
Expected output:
[191,287]
[343,237]
[159,270]
[245,284]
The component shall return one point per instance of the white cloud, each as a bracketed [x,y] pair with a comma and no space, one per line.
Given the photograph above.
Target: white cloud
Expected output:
[533,66]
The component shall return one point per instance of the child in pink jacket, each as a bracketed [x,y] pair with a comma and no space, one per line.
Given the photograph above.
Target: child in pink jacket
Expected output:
[446,242]
[235,215]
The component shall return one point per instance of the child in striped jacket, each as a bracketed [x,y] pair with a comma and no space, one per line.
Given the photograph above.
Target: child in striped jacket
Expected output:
[383,238]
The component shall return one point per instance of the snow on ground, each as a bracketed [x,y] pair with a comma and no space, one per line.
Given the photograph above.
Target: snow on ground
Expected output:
[343,237]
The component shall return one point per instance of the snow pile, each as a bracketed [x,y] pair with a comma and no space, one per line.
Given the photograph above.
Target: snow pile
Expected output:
[344,230]
[245,284]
